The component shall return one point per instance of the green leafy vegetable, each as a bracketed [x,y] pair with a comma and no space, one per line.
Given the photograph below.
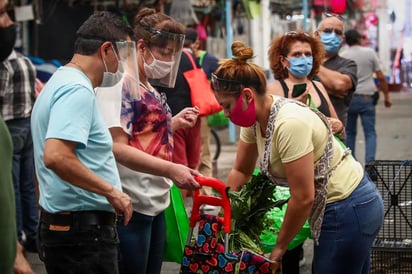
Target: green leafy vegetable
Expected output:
[249,207]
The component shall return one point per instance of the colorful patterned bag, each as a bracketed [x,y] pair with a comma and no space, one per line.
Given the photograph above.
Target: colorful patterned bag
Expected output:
[207,253]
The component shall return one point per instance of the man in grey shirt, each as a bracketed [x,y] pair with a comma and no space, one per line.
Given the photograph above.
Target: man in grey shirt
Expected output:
[366,94]
[337,74]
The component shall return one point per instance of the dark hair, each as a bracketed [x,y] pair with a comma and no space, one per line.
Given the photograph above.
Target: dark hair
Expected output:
[100,27]
[352,37]
[240,72]
[190,36]
[155,28]
[280,46]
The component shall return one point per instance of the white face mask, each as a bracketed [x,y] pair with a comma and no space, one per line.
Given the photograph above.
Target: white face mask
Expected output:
[157,69]
[109,78]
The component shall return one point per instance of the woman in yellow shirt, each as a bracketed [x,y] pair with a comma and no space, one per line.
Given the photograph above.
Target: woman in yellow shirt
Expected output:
[296,148]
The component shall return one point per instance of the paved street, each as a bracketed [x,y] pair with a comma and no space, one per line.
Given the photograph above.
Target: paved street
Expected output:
[394,129]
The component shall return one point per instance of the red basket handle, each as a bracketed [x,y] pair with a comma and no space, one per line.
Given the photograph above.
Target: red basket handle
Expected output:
[222,201]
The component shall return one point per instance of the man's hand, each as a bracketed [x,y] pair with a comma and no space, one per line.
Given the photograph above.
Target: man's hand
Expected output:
[388,101]
[184,177]
[121,203]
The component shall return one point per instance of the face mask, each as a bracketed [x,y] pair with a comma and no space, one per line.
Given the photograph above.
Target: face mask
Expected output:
[301,67]
[7,41]
[331,41]
[157,69]
[243,118]
[109,78]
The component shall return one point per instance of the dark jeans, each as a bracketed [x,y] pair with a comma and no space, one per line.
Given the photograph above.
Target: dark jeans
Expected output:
[142,244]
[365,109]
[83,249]
[27,214]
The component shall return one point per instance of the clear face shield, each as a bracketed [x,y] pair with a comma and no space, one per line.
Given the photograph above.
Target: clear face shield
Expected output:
[165,49]
[109,99]
[126,51]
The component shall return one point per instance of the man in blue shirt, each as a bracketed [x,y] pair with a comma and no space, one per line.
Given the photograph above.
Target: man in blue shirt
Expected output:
[80,190]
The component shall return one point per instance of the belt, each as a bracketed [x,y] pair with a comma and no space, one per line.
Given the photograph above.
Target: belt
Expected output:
[365,96]
[78,218]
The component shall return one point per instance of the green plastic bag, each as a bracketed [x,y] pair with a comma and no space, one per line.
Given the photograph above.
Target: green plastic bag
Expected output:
[218,120]
[177,227]
[269,236]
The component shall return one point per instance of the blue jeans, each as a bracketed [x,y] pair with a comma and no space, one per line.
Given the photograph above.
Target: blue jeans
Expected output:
[91,249]
[348,230]
[364,108]
[142,244]
[27,214]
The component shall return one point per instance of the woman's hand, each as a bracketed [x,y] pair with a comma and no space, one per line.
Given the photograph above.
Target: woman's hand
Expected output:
[337,126]
[186,118]
[276,258]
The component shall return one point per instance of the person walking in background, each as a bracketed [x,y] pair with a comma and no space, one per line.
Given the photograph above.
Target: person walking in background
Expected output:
[297,149]
[142,141]
[79,184]
[337,74]
[366,96]
[186,148]
[209,64]
[16,101]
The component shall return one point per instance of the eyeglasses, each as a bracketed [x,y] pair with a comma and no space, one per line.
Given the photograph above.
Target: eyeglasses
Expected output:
[291,33]
[331,14]
[219,84]
[336,31]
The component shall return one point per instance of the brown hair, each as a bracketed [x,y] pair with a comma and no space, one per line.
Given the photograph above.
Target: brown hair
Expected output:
[240,71]
[153,27]
[280,46]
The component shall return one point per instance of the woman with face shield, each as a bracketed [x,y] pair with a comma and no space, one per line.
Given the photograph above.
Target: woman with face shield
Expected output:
[296,148]
[143,141]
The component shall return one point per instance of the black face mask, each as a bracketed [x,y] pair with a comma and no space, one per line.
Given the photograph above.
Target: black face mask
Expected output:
[7,41]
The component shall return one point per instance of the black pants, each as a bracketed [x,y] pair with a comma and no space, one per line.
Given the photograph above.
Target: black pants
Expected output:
[290,260]
[82,249]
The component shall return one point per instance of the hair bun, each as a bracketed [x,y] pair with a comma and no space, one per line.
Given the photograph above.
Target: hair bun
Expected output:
[241,51]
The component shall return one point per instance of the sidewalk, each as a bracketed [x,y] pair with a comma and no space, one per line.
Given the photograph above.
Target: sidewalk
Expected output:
[394,129]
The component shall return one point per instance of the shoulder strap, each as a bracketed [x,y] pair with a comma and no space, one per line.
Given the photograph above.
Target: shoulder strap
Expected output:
[189,55]
[285,87]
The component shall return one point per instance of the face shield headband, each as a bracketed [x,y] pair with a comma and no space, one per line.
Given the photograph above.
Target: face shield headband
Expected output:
[157,35]
[220,84]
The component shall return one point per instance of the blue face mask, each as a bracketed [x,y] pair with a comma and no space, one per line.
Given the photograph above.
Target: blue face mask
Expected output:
[331,41]
[301,66]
